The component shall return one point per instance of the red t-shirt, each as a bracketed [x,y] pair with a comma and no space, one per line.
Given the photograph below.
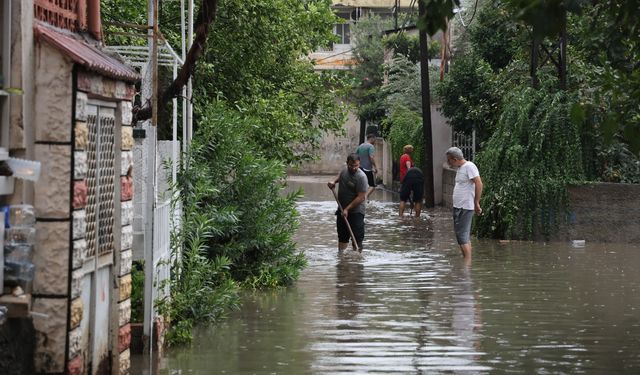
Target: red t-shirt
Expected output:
[403,165]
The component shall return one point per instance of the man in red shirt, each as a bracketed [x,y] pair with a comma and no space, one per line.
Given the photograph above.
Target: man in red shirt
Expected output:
[405,161]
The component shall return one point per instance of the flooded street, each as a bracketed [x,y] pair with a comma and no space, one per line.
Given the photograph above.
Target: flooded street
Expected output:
[408,304]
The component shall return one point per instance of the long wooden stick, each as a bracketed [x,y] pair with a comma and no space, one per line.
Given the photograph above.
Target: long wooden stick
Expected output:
[353,237]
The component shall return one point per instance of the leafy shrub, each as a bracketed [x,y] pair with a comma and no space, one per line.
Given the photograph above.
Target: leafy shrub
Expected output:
[237,226]
[137,292]
[527,164]
[406,128]
[468,97]
[495,35]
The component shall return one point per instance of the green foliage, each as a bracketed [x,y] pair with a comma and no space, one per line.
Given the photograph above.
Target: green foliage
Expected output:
[403,88]
[409,46]
[367,35]
[253,61]
[124,11]
[137,292]
[468,96]
[618,164]
[607,54]
[119,16]
[237,226]
[527,164]
[495,36]
[436,14]
[253,221]
[545,17]
[405,128]
[258,107]
[403,44]
[402,99]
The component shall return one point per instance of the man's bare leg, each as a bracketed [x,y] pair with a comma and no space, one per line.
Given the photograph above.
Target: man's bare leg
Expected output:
[342,245]
[466,250]
[418,207]
[402,206]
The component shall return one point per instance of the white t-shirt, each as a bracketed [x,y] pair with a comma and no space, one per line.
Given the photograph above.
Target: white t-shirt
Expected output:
[464,192]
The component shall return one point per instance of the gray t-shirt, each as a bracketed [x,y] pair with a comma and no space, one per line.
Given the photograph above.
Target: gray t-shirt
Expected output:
[364,151]
[348,187]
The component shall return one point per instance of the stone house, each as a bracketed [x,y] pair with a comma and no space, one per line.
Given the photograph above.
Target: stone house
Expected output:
[73,116]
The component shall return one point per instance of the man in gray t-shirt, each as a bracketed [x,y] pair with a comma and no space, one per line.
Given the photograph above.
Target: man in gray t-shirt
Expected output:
[351,195]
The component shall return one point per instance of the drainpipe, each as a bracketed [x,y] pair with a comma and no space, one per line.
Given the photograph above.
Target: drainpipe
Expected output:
[82,15]
[95,26]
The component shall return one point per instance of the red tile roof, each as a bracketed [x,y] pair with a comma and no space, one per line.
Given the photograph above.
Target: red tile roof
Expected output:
[85,54]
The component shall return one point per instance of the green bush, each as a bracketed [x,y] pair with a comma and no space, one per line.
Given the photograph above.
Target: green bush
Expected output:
[405,128]
[237,226]
[527,164]
[468,96]
[137,292]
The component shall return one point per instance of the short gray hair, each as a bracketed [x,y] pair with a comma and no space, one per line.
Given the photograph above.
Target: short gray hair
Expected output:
[455,153]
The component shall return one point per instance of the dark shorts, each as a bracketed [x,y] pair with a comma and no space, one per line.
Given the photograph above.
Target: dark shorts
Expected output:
[462,225]
[416,187]
[356,220]
[370,179]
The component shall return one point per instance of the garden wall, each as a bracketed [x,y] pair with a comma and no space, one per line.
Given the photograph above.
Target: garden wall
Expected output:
[599,212]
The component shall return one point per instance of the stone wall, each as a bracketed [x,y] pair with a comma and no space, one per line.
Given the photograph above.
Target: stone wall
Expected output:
[448,182]
[604,212]
[52,201]
[599,212]
[94,85]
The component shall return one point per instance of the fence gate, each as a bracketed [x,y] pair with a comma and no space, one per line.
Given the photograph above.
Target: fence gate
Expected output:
[100,211]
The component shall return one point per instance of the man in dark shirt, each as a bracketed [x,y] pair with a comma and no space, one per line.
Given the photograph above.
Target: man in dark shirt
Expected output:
[413,182]
[352,192]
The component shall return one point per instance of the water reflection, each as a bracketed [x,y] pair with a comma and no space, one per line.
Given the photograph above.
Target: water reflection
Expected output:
[409,304]
[349,286]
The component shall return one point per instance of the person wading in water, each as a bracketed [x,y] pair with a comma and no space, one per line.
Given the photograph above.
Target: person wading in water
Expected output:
[352,192]
[466,197]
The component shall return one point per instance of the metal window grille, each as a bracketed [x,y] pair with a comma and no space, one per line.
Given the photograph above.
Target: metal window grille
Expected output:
[100,185]
[465,142]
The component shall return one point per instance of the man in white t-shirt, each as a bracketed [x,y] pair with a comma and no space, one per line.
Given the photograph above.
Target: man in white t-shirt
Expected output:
[466,198]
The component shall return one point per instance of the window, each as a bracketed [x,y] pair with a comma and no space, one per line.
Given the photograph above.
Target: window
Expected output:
[342,30]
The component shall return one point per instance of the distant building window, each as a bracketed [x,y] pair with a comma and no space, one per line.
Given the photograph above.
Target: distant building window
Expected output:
[343,33]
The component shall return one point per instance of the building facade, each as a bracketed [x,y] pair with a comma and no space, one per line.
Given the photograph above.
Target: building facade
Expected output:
[72,115]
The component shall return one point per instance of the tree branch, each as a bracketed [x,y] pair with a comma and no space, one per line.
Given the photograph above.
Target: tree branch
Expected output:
[206,16]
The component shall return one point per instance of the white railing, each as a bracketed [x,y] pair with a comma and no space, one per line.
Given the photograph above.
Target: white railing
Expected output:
[162,228]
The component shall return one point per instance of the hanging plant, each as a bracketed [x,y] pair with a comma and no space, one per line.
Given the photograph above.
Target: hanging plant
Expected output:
[527,164]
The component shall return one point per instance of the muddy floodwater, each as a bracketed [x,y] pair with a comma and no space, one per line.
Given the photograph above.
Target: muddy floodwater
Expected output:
[409,304]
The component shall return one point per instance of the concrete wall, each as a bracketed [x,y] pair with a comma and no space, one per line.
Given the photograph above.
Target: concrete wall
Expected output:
[599,212]
[604,212]
[334,150]
[448,176]
[441,134]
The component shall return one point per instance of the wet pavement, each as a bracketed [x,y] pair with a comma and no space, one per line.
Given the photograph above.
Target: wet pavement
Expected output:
[409,304]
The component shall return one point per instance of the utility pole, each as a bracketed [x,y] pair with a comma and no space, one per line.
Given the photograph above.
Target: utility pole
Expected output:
[395,13]
[427,157]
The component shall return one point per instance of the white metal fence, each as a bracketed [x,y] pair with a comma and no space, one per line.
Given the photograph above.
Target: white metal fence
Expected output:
[465,142]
